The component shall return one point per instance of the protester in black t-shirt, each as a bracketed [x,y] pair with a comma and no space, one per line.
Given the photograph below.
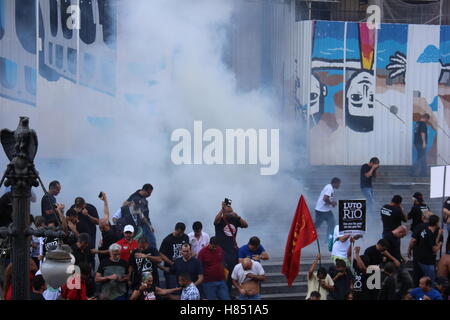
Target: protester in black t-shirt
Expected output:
[81,250]
[144,259]
[420,144]
[413,244]
[48,201]
[360,264]
[404,279]
[139,198]
[389,284]
[393,239]
[429,241]
[367,172]
[110,234]
[87,219]
[188,264]
[392,215]
[226,225]
[418,208]
[375,254]
[342,278]
[170,250]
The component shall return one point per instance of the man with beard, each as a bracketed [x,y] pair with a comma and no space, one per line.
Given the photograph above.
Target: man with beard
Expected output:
[144,259]
[127,243]
[112,275]
[170,250]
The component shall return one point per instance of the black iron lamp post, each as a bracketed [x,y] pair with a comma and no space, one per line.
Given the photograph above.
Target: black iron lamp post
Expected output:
[20,147]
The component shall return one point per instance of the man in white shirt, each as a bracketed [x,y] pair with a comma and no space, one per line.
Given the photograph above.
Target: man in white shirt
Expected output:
[198,239]
[325,204]
[341,245]
[246,277]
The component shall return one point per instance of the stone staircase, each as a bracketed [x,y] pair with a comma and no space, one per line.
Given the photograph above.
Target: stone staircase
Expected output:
[390,180]
[276,288]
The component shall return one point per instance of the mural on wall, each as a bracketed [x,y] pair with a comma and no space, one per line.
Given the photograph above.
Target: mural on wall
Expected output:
[443,123]
[86,56]
[369,87]
[327,74]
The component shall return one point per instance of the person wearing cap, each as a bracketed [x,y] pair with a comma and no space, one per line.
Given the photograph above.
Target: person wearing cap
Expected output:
[419,207]
[127,243]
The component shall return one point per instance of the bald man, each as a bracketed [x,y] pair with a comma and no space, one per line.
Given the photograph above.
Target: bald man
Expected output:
[246,277]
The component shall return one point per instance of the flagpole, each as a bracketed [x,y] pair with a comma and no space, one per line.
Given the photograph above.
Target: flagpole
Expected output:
[318,248]
[320,261]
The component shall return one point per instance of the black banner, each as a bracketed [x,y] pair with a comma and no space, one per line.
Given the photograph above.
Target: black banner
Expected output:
[352,216]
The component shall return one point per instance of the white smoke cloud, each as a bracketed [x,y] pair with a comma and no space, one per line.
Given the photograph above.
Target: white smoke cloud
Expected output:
[170,72]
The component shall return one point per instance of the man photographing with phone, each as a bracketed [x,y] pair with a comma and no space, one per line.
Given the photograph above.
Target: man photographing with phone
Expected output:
[226,224]
[88,219]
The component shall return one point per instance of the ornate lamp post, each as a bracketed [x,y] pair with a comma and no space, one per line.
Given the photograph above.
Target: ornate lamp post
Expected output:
[20,147]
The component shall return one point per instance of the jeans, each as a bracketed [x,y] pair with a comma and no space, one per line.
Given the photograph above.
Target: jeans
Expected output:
[230,261]
[171,280]
[150,236]
[216,290]
[428,271]
[368,194]
[420,166]
[329,218]
[246,297]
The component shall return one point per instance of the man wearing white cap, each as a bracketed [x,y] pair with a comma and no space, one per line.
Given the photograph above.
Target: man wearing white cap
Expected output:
[127,243]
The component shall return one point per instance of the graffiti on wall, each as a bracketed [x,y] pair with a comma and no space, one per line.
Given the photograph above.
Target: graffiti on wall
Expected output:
[86,56]
[369,87]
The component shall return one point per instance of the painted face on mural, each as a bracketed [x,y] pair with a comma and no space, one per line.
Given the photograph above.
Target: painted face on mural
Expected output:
[359,101]
[317,99]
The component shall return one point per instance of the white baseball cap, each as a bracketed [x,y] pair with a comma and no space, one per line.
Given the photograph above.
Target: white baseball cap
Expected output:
[128,228]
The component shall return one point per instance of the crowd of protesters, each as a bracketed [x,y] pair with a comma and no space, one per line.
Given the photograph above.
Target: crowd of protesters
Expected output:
[381,272]
[127,264]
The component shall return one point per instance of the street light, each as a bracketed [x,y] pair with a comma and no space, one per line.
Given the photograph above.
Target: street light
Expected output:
[20,147]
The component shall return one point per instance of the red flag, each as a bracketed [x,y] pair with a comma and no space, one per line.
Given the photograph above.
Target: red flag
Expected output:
[301,235]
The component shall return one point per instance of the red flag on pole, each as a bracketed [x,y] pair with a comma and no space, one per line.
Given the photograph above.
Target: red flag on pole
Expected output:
[301,235]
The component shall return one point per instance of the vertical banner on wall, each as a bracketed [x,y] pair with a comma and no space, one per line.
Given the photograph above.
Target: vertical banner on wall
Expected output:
[443,134]
[359,96]
[392,101]
[327,87]
[18,51]
[352,216]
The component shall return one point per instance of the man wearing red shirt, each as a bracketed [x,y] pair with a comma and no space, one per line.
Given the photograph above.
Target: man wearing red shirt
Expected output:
[214,285]
[127,243]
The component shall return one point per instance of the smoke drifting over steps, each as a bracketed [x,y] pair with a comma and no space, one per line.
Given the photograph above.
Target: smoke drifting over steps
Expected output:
[169,73]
